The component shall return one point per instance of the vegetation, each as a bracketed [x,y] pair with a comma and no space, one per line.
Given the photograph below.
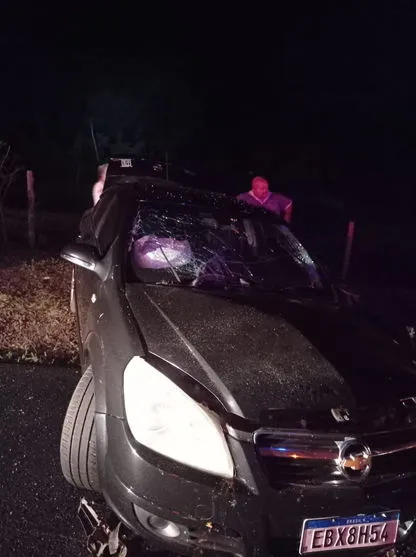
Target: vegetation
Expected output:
[36,324]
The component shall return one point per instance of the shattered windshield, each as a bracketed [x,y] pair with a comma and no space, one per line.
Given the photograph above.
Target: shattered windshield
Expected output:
[175,244]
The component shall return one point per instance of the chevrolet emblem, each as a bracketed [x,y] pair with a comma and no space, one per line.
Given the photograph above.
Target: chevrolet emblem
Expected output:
[354,460]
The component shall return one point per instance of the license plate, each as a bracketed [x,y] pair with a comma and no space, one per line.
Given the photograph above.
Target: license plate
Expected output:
[363,530]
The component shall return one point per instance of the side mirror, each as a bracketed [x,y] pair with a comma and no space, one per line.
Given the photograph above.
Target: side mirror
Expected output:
[83,255]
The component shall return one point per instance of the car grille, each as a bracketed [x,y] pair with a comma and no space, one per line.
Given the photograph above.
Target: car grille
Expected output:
[304,458]
[399,414]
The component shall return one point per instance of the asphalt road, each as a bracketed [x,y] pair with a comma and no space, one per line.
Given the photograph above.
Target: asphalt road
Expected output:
[37,507]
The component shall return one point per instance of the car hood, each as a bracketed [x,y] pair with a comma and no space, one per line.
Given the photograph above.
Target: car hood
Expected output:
[272,352]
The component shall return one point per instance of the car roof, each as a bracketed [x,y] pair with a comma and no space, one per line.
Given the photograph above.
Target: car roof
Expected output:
[132,166]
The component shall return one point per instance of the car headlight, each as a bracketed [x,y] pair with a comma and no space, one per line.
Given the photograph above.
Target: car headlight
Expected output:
[165,419]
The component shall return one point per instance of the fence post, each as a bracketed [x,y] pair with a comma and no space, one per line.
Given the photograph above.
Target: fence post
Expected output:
[348,248]
[30,181]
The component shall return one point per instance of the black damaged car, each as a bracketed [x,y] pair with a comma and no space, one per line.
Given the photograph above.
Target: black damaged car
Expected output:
[230,402]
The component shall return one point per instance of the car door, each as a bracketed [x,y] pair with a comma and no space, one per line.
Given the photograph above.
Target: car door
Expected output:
[97,228]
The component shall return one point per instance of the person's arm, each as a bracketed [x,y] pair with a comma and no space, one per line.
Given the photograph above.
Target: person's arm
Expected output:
[97,190]
[284,206]
[98,187]
[287,213]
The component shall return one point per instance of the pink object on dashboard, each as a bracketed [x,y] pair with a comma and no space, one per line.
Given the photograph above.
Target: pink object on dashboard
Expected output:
[152,252]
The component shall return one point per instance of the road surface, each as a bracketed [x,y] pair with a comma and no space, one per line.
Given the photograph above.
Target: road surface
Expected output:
[37,507]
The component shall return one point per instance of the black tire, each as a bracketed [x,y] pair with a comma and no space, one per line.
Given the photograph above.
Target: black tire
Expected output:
[78,441]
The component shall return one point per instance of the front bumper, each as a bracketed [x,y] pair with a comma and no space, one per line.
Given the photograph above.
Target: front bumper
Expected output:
[242,518]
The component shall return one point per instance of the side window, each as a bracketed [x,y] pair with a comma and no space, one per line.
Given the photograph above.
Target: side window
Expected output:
[86,230]
[106,222]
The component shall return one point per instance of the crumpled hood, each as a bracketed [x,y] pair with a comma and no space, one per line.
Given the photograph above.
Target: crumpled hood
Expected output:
[272,353]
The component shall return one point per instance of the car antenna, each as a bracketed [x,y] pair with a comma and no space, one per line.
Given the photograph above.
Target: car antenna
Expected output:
[94,141]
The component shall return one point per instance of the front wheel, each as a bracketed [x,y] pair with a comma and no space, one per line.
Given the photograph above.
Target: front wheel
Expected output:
[78,441]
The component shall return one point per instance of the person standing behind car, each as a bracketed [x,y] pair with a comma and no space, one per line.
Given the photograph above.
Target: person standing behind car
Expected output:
[261,196]
[98,187]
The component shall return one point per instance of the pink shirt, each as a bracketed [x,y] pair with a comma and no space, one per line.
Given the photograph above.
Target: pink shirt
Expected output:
[275,202]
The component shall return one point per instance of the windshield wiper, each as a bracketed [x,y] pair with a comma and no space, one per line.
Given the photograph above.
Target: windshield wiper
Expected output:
[175,274]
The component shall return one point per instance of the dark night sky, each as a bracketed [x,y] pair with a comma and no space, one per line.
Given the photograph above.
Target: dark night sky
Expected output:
[321,92]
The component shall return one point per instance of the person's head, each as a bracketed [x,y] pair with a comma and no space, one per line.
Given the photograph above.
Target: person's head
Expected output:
[260,187]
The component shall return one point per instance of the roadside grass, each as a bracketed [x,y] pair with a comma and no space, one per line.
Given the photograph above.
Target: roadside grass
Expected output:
[36,324]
